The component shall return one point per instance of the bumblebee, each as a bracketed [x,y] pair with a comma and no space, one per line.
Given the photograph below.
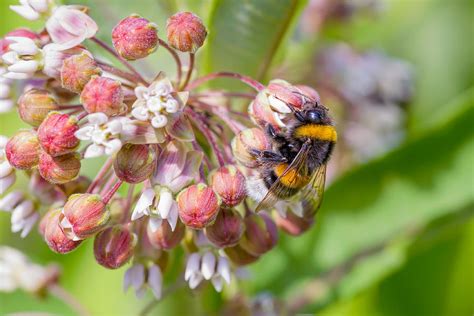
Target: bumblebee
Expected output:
[296,167]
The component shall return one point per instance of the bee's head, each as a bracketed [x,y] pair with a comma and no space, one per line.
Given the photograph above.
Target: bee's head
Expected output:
[315,114]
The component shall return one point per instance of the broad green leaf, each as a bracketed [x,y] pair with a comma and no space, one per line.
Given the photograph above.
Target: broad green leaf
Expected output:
[245,35]
[423,180]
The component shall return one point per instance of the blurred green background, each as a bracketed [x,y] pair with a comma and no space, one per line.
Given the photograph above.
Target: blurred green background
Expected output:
[395,235]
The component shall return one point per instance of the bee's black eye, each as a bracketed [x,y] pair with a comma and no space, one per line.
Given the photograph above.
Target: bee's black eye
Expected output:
[313,116]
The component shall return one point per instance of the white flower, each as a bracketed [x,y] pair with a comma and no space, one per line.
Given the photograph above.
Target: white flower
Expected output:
[207,267]
[69,26]
[7,172]
[104,133]
[137,278]
[32,9]
[157,102]
[24,58]
[6,102]
[17,272]
[24,215]
[159,206]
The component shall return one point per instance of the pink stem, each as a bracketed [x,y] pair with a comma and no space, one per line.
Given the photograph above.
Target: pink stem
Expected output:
[123,61]
[206,94]
[100,175]
[224,74]
[179,66]
[112,192]
[190,71]
[201,124]
[119,73]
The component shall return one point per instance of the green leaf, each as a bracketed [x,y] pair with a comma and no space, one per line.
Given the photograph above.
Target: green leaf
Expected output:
[245,35]
[421,181]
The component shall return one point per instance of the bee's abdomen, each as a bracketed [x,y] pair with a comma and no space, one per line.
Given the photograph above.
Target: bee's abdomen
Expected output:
[316,132]
[291,180]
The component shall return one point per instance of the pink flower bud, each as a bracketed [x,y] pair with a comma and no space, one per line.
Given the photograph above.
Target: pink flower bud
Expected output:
[164,237]
[22,150]
[53,235]
[198,205]
[56,134]
[239,256]
[60,169]
[104,95]
[135,37]
[293,224]
[24,32]
[227,229]
[34,105]
[135,163]
[309,92]
[229,183]
[185,32]
[114,247]
[77,70]
[245,142]
[260,235]
[84,215]
[262,114]
[284,92]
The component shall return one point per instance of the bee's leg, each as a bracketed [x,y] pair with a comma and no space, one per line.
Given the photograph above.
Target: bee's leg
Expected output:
[272,133]
[265,156]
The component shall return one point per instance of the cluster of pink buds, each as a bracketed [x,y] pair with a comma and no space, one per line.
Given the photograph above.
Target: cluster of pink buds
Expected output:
[177,159]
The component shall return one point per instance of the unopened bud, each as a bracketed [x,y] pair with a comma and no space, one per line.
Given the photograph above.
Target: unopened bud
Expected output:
[114,246]
[262,114]
[164,237]
[293,224]
[198,205]
[185,32]
[60,169]
[239,256]
[309,92]
[104,95]
[229,183]
[84,215]
[226,230]
[34,105]
[54,236]
[135,37]
[261,234]
[56,134]
[135,163]
[22,150]
[245,142]
[77,70]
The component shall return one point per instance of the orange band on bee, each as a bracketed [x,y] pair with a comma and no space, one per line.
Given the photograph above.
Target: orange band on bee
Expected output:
[292,178]
[315,131]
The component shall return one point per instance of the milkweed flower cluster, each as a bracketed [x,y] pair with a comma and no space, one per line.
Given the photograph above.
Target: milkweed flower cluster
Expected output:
[175,157]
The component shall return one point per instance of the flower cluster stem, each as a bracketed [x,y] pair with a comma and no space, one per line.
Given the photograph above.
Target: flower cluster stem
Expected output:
[108,196]
[179,66]
[119,58]
[224,74]
[190,71]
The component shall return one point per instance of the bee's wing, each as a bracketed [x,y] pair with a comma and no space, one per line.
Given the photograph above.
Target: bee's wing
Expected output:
[312,194]
[278,188]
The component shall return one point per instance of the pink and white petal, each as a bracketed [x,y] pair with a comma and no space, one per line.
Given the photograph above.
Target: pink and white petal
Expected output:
[24,66]
[39,5]
[180,128]
[208,265]
[58,34]
[191,169]
[155,223]
[98,118]
[217,282]
[170,163]
[7,182]
[173,216]
[183,97]
[144,202]
[114,126]
[94,150]
[9,201]
[195,280]
[165,203]
[141,92]
[155,280]
[26,12]
[134,277]
[29,223]
[76,22]
[192,265]
[139,132]
[21,211]
[113,146]
[223,269]
[84,133]
[5,169]
[18,75]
